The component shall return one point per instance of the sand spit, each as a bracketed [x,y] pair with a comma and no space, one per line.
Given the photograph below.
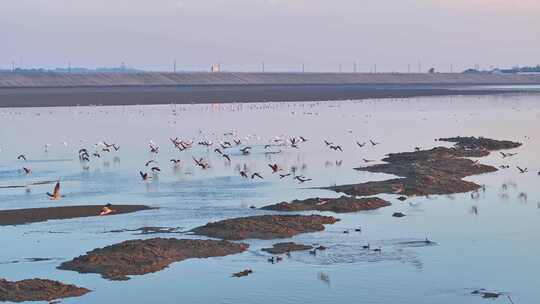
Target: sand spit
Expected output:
[33,215]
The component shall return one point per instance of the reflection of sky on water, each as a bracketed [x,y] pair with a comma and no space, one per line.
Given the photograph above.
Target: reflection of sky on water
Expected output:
[494,247]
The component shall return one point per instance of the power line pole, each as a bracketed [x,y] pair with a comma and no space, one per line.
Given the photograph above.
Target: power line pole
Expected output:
[408,68]
[263,66]
[303,68]
[174,66]
[340,67]
[375,68]
[12,66]
[419,66]
[355,68]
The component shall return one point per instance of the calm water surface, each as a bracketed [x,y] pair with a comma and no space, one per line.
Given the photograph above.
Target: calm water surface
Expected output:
[496,249]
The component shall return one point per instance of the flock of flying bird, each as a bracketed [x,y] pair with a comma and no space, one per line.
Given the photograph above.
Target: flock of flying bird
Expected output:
[221,150]
[227,148]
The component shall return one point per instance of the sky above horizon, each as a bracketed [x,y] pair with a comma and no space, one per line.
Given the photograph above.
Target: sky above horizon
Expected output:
[395,35]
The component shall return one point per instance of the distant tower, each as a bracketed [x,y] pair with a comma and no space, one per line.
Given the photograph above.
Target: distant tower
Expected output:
[215,68]
[174,66]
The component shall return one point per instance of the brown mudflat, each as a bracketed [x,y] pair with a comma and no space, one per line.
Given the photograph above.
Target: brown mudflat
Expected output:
[33,215]
[138,257]
[37,290]
[339,205]
[436,171]
[281,248]
[264,226]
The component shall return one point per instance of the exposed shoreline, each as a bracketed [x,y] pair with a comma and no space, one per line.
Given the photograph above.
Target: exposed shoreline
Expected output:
[151,88]
[209,94]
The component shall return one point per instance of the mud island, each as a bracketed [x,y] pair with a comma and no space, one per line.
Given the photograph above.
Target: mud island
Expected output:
[37,290]
[138,257]
[436,171]
[342,204]
[264,226]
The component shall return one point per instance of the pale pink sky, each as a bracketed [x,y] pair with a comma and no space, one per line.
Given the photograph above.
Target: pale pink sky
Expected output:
[283,33]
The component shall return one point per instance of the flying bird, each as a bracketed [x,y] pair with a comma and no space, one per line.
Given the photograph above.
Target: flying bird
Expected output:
[256,175]
[56,193]
[302,179]
[274,167]
[144,176]
[227,157]
[522,170]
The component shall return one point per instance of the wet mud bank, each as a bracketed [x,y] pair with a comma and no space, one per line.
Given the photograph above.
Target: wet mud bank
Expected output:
[34,215]
[264,226]
[138,257]
[281,248]
[436,171]
[37,290]
[342,204]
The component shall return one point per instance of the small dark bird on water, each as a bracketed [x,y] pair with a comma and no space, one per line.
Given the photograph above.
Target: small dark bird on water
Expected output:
[256,175]
[155,169]
[27,171]
[505,155]
[21,157]
[246,150]
[227,157]
[149,162]
[284,175]
[373,143]
[243,174]
[361,145]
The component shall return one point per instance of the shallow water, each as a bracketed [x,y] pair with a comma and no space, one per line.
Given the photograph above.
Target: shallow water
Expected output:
[496,249]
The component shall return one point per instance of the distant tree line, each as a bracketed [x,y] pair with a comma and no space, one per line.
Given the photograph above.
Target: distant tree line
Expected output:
[514,70]
[79,70]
